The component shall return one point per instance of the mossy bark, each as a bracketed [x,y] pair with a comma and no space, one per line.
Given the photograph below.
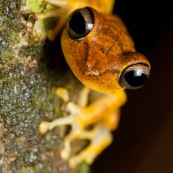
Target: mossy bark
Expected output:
[31,68]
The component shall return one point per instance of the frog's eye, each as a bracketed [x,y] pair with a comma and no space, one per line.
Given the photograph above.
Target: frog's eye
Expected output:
[80,23]
[134,76]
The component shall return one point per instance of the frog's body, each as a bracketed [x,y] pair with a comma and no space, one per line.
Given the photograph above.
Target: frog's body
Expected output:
[103,57]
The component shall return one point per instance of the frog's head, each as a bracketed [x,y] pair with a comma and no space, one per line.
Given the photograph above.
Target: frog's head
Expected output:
[101,53]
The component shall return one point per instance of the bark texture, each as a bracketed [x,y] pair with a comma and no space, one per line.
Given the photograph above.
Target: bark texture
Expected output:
[31,68]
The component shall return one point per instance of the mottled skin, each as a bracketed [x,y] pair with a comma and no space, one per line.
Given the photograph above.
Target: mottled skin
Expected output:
[97,60]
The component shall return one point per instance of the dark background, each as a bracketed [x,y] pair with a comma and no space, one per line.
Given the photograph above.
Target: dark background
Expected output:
[143,142]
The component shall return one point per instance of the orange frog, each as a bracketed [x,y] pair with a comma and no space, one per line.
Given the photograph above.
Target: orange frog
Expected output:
[101,54]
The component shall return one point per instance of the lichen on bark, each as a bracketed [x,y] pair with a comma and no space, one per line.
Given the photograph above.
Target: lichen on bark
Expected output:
[31,68]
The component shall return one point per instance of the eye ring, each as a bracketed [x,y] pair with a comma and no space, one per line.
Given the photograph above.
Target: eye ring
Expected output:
[80,23]
[134,76]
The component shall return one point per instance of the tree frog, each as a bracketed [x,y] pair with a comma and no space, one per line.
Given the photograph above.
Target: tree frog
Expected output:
[101,54]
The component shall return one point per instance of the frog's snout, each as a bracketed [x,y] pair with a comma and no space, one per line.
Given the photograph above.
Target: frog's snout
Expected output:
[136,73]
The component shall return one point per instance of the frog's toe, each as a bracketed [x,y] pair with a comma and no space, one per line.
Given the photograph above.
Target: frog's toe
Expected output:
[65,153]
[45,126]
[98,142]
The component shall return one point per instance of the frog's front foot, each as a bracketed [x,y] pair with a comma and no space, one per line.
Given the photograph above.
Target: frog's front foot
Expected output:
[99,137]
[58,11]
[80,117]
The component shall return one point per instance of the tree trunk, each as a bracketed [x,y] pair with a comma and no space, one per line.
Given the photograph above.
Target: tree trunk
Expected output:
[31,68]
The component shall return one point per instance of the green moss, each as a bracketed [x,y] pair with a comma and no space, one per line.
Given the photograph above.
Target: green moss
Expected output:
[29,77]
[39,6]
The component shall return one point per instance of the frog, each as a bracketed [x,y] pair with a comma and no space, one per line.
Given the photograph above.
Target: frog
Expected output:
[65,7]
[101,53]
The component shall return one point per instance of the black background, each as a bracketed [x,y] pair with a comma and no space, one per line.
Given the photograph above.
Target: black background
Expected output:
[143,142]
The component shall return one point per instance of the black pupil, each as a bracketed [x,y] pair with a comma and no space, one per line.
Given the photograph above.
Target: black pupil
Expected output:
[77,23]
[135,78]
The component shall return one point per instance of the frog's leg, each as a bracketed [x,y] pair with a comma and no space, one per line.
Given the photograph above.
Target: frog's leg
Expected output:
[61,9]
[61,13]
[100,137]
[100,113]
[60,3]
